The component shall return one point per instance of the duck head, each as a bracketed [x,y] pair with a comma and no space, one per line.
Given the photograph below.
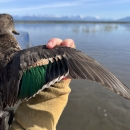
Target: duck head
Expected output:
[7,24]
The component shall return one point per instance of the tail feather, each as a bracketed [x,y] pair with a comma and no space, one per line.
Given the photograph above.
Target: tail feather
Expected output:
[6,118]
[3,120]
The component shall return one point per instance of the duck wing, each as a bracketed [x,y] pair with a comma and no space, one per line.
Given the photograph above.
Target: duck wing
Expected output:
[34,69]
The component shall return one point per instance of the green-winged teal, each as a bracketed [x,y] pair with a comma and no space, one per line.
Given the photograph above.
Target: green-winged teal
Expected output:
[24,73]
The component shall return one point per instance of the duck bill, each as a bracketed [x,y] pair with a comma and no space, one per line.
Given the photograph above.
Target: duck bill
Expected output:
[15,32]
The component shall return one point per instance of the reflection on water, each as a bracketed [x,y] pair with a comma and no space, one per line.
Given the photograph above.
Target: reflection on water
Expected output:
[110,27]
[90,105]
[95,29]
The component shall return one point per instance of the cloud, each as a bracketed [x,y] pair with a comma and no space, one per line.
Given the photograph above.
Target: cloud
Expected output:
[60,4]
[6,1]
[101,2]
[49,5]
[52,5]
[118,1]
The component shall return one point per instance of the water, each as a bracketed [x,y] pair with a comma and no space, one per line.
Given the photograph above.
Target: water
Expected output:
[91,106]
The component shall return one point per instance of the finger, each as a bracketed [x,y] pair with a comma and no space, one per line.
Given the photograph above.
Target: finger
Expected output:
[68,43]
[53,42]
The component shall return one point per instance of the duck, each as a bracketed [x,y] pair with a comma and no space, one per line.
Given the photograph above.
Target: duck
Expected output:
[26,72]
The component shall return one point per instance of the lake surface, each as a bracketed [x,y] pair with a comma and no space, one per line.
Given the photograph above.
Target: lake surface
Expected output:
[90,106]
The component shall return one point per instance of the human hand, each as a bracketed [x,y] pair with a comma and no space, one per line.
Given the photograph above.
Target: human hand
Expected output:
[56,41]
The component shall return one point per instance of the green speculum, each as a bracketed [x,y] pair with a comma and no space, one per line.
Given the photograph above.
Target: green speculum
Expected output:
[32,80]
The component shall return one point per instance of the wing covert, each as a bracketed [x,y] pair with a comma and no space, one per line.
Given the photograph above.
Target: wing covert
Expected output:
[60,62]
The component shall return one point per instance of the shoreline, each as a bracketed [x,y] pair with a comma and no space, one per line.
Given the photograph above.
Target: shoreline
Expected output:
[73,22]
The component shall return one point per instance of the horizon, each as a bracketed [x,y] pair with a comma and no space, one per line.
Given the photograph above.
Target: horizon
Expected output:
[70,16]
[92,8]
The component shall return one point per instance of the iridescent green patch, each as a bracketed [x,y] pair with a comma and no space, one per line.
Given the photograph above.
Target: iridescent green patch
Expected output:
[32,80]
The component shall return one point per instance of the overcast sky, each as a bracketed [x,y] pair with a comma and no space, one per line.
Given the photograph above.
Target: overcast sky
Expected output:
[100,8]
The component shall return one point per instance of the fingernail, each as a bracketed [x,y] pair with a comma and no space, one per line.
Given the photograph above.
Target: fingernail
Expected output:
[66,44]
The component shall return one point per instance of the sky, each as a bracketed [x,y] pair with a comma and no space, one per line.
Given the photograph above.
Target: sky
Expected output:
[113,9]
